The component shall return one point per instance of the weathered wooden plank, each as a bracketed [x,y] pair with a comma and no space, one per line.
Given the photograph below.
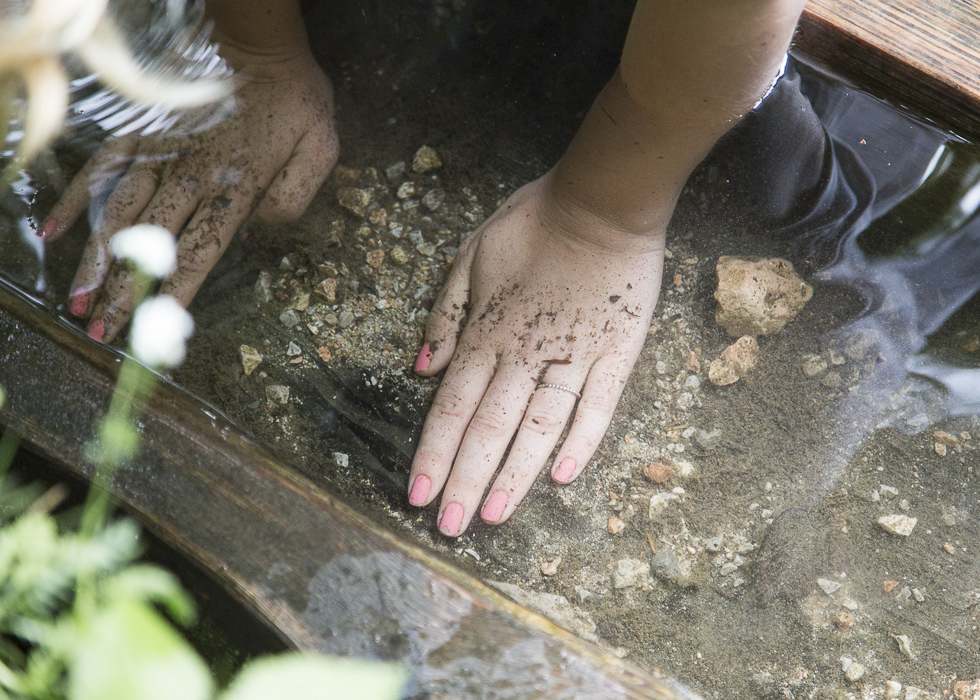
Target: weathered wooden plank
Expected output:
[323,576]
[922,54]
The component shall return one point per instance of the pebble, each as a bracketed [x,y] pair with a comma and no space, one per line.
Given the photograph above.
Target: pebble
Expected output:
[853,671]
[860,344]
[904,645]
[950,549]
[345,320]
[426,249]
[708,440]
[888,585]
[406,190]
[757,297]
[341,459]
[967,690]
[913,693]
[433,199]
[904,594]
[898,524]
[263,288]
[324,353]
[940,449]
[293,350]
[327,289]
[354,200]
[666,565]
[892,690]
[375,258]
[832,380]
[426,159]
[735,361]
[251,358]
[395,171]
[615,525]
[289,318]
[829,586]
[814,365]
[658,473]
[378,217]
[713,544]
[550,567]
[300,301]
[944,438]
[399,255]
[843,620]
[277,393]
[685,400]
[629,573]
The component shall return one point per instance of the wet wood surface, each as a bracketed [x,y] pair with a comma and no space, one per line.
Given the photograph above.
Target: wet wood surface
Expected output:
[323,576]
[921,54]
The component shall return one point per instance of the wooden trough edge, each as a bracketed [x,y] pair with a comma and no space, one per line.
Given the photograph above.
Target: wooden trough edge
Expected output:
[918,54]
[309,566]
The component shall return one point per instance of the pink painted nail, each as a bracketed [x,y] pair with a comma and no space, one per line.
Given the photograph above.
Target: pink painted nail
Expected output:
[78,303]
[420,490]
[49,226]
[565,470]
[424,358]
[494,507]
[452,518]
[97,330]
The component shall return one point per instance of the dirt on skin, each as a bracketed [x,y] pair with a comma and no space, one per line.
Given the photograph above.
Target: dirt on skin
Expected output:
[759,566]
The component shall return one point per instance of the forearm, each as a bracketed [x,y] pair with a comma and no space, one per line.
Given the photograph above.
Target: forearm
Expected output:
[690,70]
[263,29]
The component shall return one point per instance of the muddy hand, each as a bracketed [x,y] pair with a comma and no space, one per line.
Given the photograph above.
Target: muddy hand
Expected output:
[534,314]
[267,160]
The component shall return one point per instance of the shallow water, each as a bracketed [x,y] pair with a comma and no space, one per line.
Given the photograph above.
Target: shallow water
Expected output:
[769,566]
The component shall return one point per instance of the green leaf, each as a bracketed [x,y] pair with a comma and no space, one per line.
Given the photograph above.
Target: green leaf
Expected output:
[312,677]
[152,584]
[129,652]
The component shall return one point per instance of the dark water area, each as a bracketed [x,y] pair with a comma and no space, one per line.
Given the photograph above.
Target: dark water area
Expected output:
[767,565]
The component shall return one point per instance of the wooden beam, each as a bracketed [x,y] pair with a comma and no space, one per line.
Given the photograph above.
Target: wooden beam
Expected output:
[920,54]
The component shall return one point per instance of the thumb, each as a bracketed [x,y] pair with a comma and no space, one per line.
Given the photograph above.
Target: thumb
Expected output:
[447,317]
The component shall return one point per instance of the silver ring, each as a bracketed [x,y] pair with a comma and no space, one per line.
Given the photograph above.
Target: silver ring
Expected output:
[569,389]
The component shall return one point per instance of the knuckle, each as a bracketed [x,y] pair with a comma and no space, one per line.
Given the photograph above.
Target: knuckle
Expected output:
[598,404]
[447,406]
[490,424]
[542,422]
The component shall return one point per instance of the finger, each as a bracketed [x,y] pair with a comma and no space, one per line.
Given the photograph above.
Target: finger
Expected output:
[601,393]
[443,325]
[203,242]
[123,207]
[453,407]
[115,306]
[293,188]
[542,425]
[94,177]
[484,444]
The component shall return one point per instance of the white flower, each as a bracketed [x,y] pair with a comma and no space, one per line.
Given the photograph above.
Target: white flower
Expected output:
[160,331]
[152,248]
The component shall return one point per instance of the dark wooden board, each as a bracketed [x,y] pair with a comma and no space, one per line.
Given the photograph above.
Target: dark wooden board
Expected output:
[921,54]
[323,576]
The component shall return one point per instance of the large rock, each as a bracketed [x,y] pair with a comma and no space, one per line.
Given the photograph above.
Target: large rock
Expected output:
[758,297]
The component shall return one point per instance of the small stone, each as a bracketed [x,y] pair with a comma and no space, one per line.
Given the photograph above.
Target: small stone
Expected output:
[263,288]
[289,318]
[399,255]
[378,217]
[324,353]
[426,249]
[898,524]
[940,449]
[286,264]
[814,365]
[735,361]
[854,672]
[708,440]
[396,171]
[944,438]
[685,400]
[364,232]
[829,586]
[728,568]
[904,504]
[757,297]
[426,159]
[692,364]
[550,567]
[843,620]
[341,459]
[832,380]
[354,200]
[967,690]
[277,393]
[917,594]
[292,350]
[666,565]
[950,549]
[713,544]
[251,358]
[345,320]
[888,491]
[658,473]
[913,693]
[888,585]
[375,258]
[327,289]
[860,344]
[904,594]
[904,645]
[345,174]
[629,573]
[433,199]
[333,235]
[405,190]
[300,301]
[615,525]
[892,690]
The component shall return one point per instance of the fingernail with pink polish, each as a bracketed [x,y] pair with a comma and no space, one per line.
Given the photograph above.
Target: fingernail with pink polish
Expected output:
[493,510]
[424,358]
[97,330]
[49,226]
[565,470]
[452,518]
[420,490]
[78,304]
